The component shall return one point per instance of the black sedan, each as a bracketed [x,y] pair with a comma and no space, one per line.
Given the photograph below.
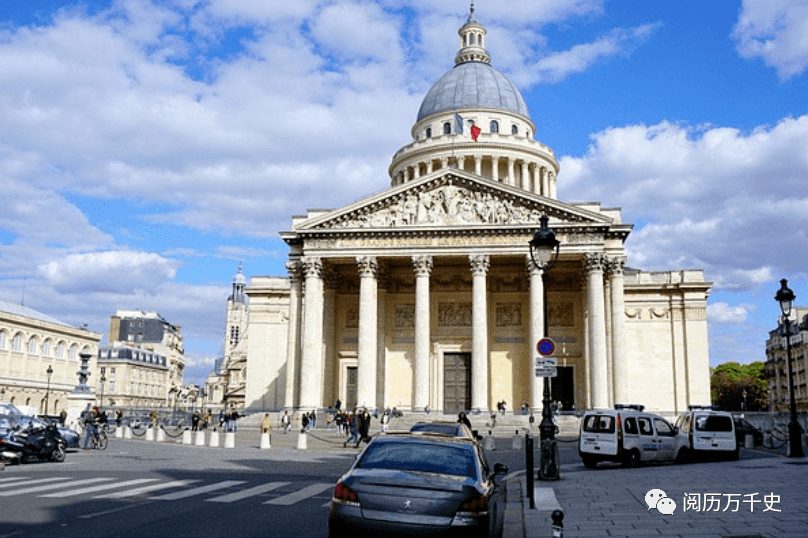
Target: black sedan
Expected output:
[411,484]
[744,428]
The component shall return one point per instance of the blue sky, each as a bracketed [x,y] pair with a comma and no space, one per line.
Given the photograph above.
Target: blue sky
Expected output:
[148,147]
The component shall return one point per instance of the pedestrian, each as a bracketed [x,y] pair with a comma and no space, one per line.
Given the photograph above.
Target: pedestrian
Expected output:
[118,417]
[221,419]
[195,421]
[313,420]
[153,418]
[90,422]
[286,422]
[463,419]
[266,424]
[338,404]
[364,428]
[206,418]
[233,420]
[304,423]
[353,428]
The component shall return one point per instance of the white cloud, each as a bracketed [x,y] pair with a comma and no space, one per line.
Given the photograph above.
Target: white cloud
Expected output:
[775,31]
[701,193]
[120,272]
[725,313]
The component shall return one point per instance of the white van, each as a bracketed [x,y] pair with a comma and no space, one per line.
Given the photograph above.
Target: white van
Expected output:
[709,431]
[629,435]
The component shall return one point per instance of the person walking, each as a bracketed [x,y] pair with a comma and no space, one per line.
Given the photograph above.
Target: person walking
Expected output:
[206,418]
[364,428]
[118,417]
[304,423]
[195,421]
[286,422]
[385,421]
[90,425]
[153,418]
[353,428]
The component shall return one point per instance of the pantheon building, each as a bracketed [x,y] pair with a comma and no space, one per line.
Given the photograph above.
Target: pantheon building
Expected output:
[423,295]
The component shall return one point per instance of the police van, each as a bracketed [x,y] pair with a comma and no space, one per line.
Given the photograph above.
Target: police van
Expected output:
[629,435]
[709,430]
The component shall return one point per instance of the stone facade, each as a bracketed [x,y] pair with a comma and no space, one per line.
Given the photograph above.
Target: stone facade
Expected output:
[777,363]
[423,295]
[30,343]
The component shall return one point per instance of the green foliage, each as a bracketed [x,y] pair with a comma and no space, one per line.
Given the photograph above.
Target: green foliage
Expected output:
[729,380]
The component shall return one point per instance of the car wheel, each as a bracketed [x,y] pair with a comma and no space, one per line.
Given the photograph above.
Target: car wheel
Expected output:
[735,455]
[589,462]
[681,457]
[58,455]
[632,459]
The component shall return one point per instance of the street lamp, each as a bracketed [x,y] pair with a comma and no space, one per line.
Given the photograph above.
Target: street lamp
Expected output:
[49,371]
[544,249]
[103,382]
[785,297]
[743,401]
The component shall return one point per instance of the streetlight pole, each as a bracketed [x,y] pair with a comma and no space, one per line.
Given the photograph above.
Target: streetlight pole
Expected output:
[103,382]
[785,297]
[544,249]
[49,371]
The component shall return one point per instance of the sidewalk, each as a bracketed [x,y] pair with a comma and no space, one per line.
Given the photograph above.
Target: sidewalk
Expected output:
[761,497]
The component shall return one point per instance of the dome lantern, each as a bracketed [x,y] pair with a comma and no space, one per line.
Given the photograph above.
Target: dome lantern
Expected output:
[472,41]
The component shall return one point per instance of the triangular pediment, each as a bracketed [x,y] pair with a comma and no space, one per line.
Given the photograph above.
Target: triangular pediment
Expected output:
[451,198]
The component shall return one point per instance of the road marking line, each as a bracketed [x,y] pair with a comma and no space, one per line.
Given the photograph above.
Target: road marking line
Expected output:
[197,491]
[147,489]
[53,486]
[297,496]
[243,494]
[102,487]
[12,479]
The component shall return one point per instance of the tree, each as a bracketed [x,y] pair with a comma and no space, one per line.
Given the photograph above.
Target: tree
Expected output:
[728,381]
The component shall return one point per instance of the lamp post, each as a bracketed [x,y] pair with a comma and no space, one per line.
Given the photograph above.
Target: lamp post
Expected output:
[544,249]
[743,401]
[785,297]
[103,381]
[49,371]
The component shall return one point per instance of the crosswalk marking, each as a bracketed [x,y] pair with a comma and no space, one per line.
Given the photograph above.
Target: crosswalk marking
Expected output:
[39,481]
[47,487]
[12,479]
[197,491]
[308,491]
[243,494]
[102,487]
[147,489]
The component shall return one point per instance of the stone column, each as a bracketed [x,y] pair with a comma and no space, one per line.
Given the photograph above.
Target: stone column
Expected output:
[366,382]
[494,168]
[478,165]
[617,268]
[461,162]
[429,166]
[479,337]
[536,331]
[423,268]
[416,171]
[293,335]
[444,162]
[553,185]
[593,264]
[525,179]
[511,178]
[537,179]
[545,184]
[311,363]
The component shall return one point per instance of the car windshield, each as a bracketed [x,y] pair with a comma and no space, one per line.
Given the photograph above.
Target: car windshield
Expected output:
[448,429]
[426,457]
[713,423]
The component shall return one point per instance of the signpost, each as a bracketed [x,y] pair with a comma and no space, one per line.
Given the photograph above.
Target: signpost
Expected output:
[546,364]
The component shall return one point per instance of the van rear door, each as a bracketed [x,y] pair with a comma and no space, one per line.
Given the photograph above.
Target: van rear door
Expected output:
[598,435]
[713,431]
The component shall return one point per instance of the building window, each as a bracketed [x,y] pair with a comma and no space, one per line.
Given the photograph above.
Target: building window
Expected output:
[16,343]
[111,387]
[112,371]
[32,345]
[429,132]
[494,126]
[514,130]
[2,339]
[447,128]
[46,348]
[73,352]
[233,336]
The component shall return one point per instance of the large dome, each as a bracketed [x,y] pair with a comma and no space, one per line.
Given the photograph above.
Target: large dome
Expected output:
[473,85]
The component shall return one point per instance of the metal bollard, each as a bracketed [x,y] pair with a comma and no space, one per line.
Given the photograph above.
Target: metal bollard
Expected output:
[558,523]
[531,494]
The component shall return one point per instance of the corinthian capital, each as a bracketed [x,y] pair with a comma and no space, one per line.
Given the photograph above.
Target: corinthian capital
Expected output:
[617,265]
[422,264]
[295,270]
[479,264]
[312,267]
[368,266]
[594,262]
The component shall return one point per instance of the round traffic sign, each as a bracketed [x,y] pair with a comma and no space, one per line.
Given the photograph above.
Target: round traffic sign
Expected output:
[545,347]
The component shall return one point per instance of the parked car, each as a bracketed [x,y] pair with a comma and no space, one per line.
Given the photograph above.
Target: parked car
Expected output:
[709,431]
[744,428]
[455,429]
[629,435]
[419,485]
[10,422]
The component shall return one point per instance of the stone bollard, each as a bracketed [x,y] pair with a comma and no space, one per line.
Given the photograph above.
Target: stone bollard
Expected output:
[200,438]
[558,523]
[517,441]
[127,432]
[265,441]
[767,440]
[161,434]
[186,437]
[301,441]
[118,433]
[230,440]
[488,442]
[150,434]
[749,441]
[214,439]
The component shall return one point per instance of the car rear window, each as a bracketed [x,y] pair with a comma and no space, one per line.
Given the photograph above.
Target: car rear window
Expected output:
[599,424]
[713,423]
[426,457]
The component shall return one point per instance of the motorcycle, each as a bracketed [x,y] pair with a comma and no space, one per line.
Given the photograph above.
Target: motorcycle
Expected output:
[33,444]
